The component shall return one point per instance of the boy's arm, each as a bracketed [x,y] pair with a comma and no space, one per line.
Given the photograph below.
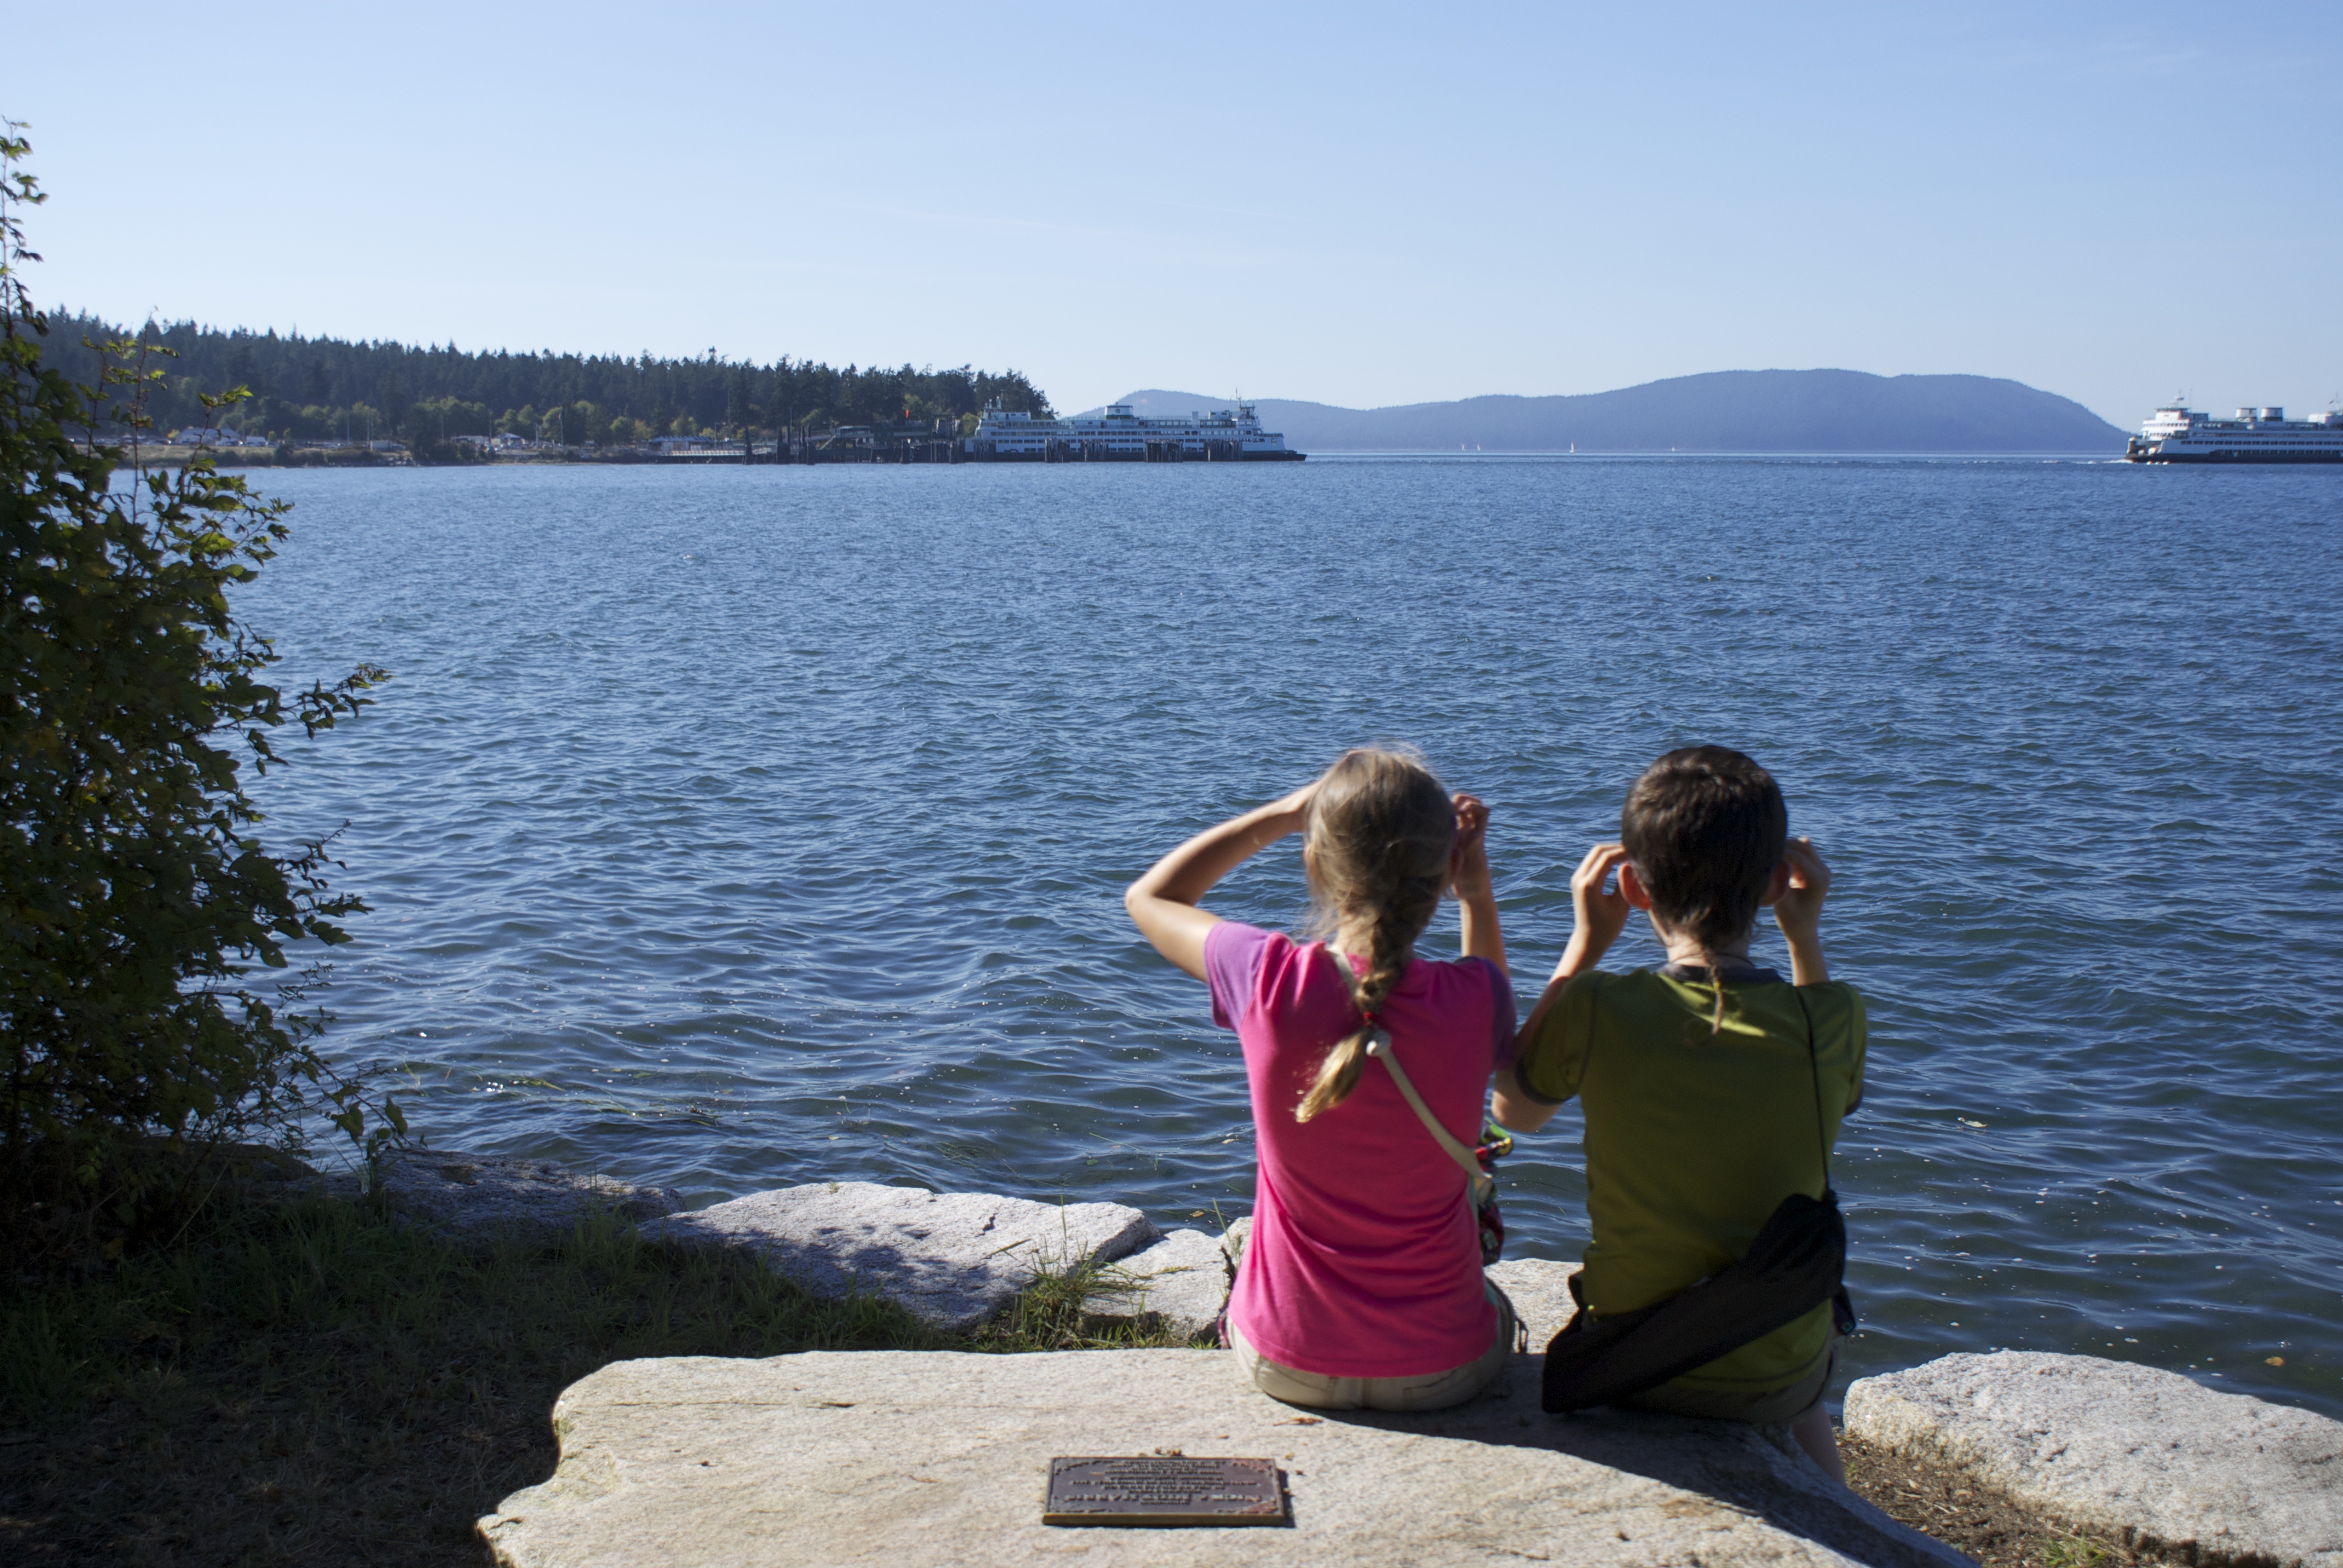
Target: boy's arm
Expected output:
[1162,903]
[1599,915]
[1514,1109]
[1799,912]
[1476,897]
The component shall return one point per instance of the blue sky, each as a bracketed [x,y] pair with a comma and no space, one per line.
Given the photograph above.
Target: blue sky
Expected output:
[1355,203]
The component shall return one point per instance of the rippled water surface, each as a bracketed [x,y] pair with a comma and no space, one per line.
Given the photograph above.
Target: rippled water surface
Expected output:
[738,827]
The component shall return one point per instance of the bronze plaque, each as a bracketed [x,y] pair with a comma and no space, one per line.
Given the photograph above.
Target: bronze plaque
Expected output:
[1163,1489]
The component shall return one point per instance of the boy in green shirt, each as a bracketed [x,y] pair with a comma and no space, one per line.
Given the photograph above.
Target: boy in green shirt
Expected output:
[1710,1088]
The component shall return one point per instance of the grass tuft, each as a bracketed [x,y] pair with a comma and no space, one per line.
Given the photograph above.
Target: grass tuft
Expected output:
[1052,1312]
[1995,1530]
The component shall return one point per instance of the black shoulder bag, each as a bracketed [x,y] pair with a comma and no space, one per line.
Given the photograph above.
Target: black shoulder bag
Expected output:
[1795,1265]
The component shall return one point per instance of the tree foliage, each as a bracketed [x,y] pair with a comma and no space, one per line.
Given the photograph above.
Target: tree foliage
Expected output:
[137,900]
[321,388]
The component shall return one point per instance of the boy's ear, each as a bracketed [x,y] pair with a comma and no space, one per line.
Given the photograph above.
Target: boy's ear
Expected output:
[1631,888]
[1776,884]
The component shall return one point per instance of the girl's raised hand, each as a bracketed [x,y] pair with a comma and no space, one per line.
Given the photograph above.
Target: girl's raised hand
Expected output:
[1468,879]
[1162,902]
[1295,806]
[1468,862]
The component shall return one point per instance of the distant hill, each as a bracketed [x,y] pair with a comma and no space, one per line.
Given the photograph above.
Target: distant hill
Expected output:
[1723,411]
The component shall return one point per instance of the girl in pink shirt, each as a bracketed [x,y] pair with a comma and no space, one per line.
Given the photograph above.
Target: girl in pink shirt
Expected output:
[1361,1286]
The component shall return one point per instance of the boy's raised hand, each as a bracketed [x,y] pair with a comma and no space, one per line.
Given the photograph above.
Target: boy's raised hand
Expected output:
[1799,910]
[1599,911]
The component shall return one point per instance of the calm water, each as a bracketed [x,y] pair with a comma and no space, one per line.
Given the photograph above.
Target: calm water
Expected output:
[731,829]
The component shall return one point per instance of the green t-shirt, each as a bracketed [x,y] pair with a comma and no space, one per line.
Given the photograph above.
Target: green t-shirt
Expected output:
[1690,1141]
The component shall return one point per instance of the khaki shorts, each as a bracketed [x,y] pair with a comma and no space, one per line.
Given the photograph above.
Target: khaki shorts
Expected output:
[1429,1391]
[1766,1407]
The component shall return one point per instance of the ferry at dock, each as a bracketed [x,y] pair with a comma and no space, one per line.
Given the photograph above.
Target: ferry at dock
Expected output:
[2176,435]
[1119,435]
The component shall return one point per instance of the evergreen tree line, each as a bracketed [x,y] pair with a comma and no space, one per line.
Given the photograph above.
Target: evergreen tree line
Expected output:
[325,388]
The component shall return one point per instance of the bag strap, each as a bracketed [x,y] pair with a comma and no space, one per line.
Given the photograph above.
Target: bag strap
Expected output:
[1381,1051]
[1379,1046]
[1815,1071]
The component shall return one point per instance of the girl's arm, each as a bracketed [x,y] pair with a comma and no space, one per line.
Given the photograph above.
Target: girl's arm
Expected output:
[1162,903]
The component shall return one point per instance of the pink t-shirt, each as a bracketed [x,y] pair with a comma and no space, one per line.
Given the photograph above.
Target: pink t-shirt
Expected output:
[1364,1261]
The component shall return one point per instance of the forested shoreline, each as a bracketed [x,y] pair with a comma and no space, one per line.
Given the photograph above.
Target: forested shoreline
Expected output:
[331,389]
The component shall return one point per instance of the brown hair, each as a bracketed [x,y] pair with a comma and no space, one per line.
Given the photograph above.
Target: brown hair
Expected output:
[1705,827]
[1377,846]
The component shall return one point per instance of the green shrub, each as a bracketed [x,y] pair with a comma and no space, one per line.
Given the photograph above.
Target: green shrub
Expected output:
[136,899]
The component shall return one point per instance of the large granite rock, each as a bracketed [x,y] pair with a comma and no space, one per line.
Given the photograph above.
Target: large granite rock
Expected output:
[2174,1466]
[952,1258]
[1178,1284]
[837,1459]
[481,1197]
[1540,1291]
[1234,1240]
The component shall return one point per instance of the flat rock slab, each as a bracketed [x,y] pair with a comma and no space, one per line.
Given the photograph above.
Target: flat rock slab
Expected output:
[2174,1466]
[471,1194]
[840,1458]
[1183,1281]
[951,1258]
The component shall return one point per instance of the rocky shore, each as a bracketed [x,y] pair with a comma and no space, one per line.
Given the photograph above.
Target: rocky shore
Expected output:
[838,1458]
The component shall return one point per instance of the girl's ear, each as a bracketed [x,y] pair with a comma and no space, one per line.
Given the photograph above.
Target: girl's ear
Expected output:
[1776,885]
[1631,888]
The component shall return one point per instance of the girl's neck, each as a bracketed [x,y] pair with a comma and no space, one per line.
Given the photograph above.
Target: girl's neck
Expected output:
[1358,942]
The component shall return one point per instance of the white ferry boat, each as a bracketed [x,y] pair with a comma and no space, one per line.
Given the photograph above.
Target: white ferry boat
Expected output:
[1119,435]
[2176,435]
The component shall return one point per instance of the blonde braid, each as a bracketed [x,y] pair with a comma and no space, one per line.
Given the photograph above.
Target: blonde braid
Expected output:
[1377,846]
[1403,910]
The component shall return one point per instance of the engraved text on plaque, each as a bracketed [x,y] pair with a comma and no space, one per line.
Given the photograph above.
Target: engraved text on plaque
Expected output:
[1163,1489]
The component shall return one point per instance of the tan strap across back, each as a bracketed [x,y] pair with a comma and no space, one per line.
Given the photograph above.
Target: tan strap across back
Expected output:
[1379,1046]
[1483,1183]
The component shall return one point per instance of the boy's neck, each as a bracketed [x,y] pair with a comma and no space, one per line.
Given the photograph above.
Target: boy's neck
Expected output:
[1686,949]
